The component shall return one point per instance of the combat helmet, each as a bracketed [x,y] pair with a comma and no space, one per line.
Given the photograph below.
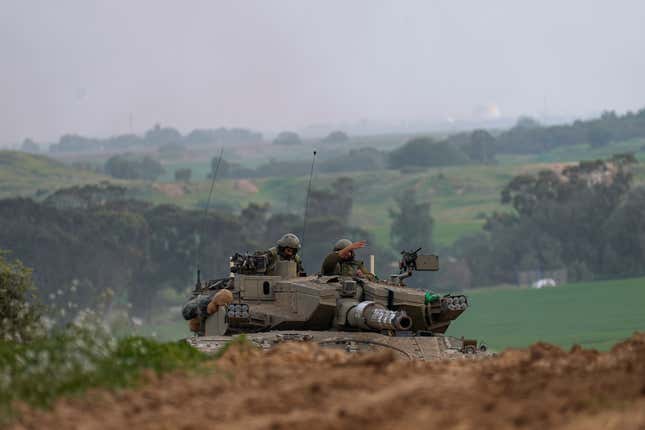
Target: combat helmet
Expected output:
[342,244]
[289,240]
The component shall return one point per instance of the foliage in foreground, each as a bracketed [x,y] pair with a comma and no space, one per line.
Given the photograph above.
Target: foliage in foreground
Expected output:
[20,315]
[74,360]
[37,366]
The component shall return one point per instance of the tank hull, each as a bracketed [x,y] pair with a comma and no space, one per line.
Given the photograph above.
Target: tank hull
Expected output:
[413,347]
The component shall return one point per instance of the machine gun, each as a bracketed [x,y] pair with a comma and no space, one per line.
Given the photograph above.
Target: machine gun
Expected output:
[249,264]
[411,261]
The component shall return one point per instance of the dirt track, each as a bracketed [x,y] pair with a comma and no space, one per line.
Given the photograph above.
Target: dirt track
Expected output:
[299,386]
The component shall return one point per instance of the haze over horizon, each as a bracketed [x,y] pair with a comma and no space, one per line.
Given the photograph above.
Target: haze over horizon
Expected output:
[88,67]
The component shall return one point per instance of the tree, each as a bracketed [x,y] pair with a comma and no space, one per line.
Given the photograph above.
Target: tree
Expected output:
[411,223]
[151,169]
[359,159]
[583,218]
[526,122]
[424,151]
[222,136]
[162,135]
[287,138]
[335,203]
[86,196]
[279,224]
[254,219]
[480,146]
[74,143]
[598,136]
[123,167]
[183,175]
[626,236]
[336,137]
[122,142]
[29,145]
[120,167]
[223,168]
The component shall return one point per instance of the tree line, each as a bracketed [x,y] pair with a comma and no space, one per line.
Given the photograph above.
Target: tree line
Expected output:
[82,241]
[586,219]
[528,136]
[156,136]
[169,138]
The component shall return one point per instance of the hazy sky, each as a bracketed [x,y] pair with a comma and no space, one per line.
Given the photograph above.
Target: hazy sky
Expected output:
[84,66]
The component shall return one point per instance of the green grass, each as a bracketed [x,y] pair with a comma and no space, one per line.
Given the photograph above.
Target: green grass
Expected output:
[593,314]
[23,174]
[578,152]
[72,361]
[447,232]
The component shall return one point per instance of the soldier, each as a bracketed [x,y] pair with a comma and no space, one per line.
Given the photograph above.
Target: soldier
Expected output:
[286,249]
[206,301]
[342,262]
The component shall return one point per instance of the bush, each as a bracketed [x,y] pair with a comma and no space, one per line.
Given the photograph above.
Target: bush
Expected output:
[75,359]
[183,175]
[20,315]
[427,153]
[123,167]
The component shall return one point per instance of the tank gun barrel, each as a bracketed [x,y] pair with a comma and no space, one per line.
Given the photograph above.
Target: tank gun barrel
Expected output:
[372,316]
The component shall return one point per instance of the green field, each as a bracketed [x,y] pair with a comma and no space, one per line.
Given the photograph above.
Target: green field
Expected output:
[29,175]
[594,315]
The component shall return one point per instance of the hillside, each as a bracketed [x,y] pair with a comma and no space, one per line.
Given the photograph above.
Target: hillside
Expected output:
[29,175]
[460,195]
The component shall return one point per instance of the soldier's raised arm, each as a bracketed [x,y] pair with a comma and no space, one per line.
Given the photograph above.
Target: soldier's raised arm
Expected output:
[352,246]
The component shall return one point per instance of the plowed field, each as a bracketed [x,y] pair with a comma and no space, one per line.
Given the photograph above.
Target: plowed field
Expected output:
[300,386]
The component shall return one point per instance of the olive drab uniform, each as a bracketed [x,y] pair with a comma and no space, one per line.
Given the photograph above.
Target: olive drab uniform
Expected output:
[334,265]
[274,256]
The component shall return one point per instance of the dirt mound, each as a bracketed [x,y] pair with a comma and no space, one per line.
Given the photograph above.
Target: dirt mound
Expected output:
[301,386]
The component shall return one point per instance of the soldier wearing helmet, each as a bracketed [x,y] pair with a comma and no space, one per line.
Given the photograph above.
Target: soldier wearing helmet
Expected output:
[286,249]
[342,261]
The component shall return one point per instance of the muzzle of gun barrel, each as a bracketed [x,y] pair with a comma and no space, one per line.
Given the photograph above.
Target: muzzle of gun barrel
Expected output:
[372,316]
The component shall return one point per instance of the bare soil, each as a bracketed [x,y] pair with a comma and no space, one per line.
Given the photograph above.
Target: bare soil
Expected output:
[300,386]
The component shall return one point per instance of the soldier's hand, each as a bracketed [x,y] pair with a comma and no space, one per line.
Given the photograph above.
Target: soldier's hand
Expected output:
[359,244]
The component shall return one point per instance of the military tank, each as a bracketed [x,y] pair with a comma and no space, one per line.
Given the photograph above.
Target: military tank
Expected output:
[350,313]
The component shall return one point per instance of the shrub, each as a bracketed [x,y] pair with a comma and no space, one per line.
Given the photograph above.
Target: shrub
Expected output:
[20,315]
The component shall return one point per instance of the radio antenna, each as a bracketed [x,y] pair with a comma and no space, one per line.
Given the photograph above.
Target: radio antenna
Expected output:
[208,203]
[304,226]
